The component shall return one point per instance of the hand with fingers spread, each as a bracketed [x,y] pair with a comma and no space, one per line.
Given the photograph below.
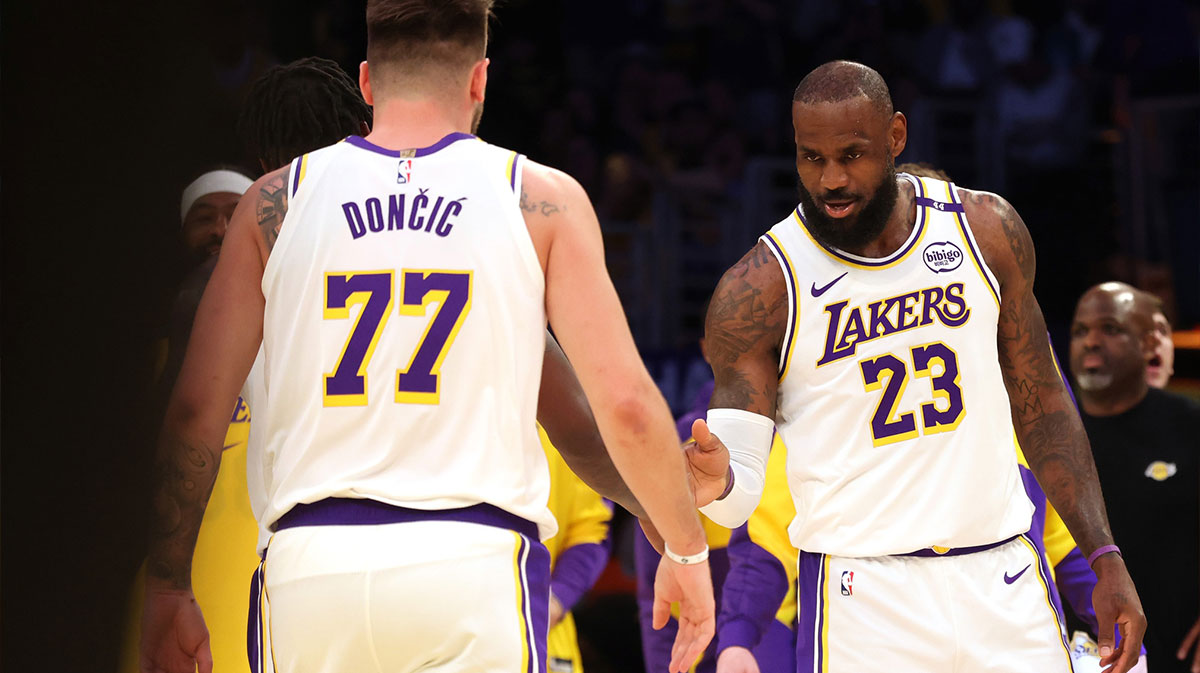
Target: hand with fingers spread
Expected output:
[1117,605]
[690,586]
[1191,642]
[707,463]
[174,637]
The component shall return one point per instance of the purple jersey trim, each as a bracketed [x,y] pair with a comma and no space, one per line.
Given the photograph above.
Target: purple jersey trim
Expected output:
[916,236]
[512,171]
[359,141]
[575,571]
[794,297]
[296,173]
[362,512]
[961,215]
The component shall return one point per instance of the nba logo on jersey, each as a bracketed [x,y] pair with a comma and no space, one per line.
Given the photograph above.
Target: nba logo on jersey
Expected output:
[847,582]
[943,256]
[404,172]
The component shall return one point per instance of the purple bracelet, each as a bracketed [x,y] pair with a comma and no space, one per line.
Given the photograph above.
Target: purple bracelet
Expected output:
[728,485]
[1101,551]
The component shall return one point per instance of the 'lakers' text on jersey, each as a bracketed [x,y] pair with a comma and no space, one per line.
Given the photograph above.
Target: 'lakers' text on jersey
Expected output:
[891,398]
[403,334]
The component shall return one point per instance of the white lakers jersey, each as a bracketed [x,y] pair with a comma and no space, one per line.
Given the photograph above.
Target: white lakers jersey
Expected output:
[403,333]
[891,400]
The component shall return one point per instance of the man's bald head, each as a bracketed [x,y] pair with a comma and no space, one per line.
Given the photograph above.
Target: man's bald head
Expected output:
[1128,303]
[839,81]
[1110,345]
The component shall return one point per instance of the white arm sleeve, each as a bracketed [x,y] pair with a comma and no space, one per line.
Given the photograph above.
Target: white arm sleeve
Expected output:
[748,437]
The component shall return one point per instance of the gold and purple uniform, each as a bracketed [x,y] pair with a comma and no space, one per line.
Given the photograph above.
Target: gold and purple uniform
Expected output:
[223,563]
[578,553]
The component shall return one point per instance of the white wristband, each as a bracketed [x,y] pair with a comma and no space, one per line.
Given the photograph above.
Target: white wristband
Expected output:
[698,557]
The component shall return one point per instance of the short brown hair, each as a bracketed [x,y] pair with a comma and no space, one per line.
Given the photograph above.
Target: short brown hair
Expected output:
[417,35]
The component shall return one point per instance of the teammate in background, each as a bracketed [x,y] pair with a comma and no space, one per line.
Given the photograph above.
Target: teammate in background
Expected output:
[1145,445]
[911,484]
[756,625]
[328,107]
[656,644]
[448,440]
[1160,366]
[205,208]
[578,554]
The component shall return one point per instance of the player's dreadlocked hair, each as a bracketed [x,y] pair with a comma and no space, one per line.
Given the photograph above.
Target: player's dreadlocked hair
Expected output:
[299,107]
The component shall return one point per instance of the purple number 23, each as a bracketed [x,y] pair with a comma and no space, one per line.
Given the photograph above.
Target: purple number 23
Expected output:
[418,383]
[886,426]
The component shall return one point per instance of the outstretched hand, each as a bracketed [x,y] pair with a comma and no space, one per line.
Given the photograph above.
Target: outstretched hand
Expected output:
[174,637]
[690,586]
[1190,641]
[707,464]
[1117,604]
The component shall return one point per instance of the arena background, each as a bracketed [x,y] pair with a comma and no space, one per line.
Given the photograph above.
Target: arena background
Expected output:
[673,114]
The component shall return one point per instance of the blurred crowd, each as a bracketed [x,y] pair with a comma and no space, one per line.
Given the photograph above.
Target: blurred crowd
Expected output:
[651,101]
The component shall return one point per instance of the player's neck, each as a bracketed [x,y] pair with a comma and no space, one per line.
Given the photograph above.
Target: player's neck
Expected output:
[1116,399]
[403,124]
[898,227]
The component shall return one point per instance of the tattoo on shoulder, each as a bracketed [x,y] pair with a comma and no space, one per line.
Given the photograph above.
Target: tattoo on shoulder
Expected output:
[747,315]
[546,208]
[272,205]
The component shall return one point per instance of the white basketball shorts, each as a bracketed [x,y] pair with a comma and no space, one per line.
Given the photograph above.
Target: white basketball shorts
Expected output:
[962,612]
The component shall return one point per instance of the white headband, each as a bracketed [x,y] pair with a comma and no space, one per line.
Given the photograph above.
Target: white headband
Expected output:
[211,183]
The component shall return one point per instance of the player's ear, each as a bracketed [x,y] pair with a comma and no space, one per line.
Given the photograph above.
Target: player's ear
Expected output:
[898,133]
[364,83]
[479,80]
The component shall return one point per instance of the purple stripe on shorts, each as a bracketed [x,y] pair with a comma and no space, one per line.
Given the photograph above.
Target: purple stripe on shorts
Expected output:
[359,141]
[810,600]
[537,576]
[254,623]
[362,512]
[1051,589]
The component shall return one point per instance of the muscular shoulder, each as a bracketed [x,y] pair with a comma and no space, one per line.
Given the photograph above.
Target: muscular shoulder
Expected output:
[547,191]
[1003,238]
[749,307]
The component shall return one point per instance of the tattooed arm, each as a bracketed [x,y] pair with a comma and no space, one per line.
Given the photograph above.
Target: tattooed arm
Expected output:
[744,330]
[225,338]
[1047,423]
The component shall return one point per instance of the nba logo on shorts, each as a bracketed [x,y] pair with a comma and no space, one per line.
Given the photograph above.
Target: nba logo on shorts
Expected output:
[404,172]
[847,582]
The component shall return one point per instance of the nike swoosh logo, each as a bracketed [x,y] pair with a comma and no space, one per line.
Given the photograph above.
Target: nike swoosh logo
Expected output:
[818,292]
[1010,580]
[229,446]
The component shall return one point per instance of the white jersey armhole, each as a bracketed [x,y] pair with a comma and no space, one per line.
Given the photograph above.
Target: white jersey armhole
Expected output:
[789,275]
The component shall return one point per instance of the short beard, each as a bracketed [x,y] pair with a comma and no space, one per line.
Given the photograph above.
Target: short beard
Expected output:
[854,232]
[1094,383]
[476,117]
